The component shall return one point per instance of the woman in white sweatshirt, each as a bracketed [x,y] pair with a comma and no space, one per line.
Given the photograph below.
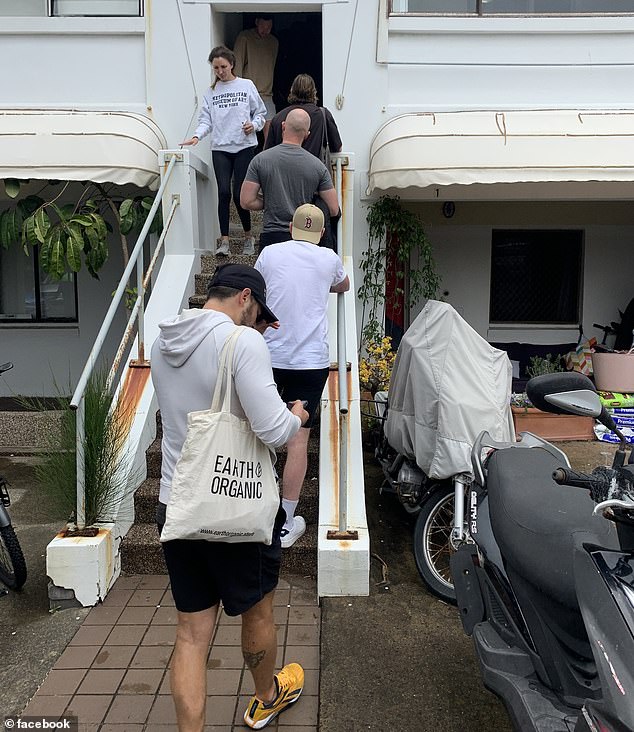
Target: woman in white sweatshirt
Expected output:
[232,112]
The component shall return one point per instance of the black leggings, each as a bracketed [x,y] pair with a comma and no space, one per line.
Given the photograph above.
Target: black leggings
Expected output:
[226,165]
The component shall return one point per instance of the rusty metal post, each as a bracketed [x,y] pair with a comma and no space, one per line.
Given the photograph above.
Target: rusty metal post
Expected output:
[342,361]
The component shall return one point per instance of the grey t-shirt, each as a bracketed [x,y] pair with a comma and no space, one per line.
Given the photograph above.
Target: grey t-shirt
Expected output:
[288,176]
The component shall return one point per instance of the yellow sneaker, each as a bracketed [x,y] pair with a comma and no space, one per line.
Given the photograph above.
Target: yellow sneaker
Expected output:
[289,682]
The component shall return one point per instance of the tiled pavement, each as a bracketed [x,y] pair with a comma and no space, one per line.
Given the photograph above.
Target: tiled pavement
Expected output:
[114,675]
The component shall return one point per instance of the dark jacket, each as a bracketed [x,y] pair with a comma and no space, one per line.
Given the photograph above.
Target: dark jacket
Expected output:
[314,141]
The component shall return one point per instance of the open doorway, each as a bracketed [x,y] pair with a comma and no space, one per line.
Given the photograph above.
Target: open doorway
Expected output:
[300,47]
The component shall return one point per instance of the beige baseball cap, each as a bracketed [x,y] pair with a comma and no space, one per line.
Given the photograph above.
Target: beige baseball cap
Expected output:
[308,223]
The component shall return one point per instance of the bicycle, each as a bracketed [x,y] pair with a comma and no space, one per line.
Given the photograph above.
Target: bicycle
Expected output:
[12,562]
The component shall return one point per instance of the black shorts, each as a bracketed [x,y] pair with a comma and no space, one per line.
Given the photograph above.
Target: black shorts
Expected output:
[204,572]
[305,384]
[273,237]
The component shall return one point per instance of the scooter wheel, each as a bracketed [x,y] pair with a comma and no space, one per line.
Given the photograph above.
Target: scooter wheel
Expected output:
[432,542]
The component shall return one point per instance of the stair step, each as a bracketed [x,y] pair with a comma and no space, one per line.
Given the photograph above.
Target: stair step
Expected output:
[209,262]
[301,558]
[141,552]
[145,500]
[154,459]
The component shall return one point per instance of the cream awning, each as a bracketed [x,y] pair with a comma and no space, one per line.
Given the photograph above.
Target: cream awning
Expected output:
[113,147]
[434,150]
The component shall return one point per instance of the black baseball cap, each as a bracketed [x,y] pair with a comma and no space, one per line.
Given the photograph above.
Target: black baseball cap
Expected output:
[240,276]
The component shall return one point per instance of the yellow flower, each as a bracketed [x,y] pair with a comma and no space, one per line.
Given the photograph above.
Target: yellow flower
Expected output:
[375,369]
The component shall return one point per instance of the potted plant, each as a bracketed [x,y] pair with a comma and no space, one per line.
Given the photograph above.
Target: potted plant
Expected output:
[82,561]
[552,427]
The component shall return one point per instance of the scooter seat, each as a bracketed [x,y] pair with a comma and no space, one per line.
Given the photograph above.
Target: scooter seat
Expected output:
[537,522]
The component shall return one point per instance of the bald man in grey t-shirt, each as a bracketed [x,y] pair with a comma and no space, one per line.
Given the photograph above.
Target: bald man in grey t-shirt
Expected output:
[284,177]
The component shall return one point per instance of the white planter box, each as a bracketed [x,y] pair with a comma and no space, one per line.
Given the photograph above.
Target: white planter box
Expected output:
[87,566]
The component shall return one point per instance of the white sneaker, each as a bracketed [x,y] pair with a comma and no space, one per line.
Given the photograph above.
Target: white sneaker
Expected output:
[223,248]
[249,246]
[290,536]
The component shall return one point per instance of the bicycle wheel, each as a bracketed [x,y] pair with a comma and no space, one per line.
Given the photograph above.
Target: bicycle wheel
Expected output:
[12,564]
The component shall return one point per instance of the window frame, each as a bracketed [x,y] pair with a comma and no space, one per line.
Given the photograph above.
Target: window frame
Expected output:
[531,232]
[51,12]
[478,13]
[38,320]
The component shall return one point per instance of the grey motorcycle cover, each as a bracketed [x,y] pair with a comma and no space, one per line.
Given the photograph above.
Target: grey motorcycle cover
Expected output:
[448,384]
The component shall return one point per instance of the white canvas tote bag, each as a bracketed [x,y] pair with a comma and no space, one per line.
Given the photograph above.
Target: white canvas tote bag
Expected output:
[224,486]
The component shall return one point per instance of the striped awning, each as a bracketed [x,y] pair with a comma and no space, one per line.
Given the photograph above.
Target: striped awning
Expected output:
[430,151]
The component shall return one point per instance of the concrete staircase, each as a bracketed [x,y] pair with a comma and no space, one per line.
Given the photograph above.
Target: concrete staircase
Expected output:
[141,551]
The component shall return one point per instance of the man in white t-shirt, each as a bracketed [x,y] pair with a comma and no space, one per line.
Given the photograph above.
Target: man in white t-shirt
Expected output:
[299,276]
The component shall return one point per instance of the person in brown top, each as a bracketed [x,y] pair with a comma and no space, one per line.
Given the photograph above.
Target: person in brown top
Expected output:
[256,52]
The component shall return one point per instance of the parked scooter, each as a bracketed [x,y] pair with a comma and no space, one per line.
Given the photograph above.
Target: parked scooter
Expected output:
[546,589]
[428,428]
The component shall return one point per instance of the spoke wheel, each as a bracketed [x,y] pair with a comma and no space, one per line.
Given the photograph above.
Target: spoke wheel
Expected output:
[12,564]
[433,545]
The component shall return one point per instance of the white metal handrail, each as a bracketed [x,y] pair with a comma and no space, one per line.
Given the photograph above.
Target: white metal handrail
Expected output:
[139,305]
[77,402]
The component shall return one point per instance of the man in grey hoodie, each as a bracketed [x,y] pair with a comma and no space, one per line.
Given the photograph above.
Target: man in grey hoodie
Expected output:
[244,575]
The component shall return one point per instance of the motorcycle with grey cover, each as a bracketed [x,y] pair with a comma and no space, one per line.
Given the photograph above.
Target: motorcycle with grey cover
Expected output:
[546,588]
[447,385]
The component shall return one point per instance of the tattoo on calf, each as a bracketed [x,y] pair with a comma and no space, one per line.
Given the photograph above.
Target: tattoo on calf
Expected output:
[253,660]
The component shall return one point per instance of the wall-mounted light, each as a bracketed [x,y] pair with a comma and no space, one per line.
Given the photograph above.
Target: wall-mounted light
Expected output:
[448,209]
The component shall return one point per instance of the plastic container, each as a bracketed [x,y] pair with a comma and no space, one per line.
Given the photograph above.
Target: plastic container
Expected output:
[614,371]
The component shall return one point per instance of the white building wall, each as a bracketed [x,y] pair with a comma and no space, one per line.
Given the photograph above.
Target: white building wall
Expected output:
[462,250]
[157,66]
[416,64]
[374,68]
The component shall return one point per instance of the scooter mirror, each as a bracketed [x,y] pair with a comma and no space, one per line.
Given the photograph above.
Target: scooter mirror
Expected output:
[584,403]
[564,393]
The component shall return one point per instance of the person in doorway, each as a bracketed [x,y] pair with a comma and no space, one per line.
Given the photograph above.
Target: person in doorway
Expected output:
[299,276]
[231,113]
[256,52]
[280,179]
[323,133]
[242,575]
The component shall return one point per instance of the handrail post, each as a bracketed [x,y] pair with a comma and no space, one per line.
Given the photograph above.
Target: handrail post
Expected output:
[141,315]
[80,512]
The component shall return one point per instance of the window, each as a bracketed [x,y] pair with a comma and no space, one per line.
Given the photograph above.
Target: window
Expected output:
[24,8]
[536,276]
[29,295]
[512,7]
[44,8]
[96,7]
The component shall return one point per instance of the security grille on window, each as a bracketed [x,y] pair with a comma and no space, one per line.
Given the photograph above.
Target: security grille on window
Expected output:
[27,294]
[513,7]
[536,276]
[96,7]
